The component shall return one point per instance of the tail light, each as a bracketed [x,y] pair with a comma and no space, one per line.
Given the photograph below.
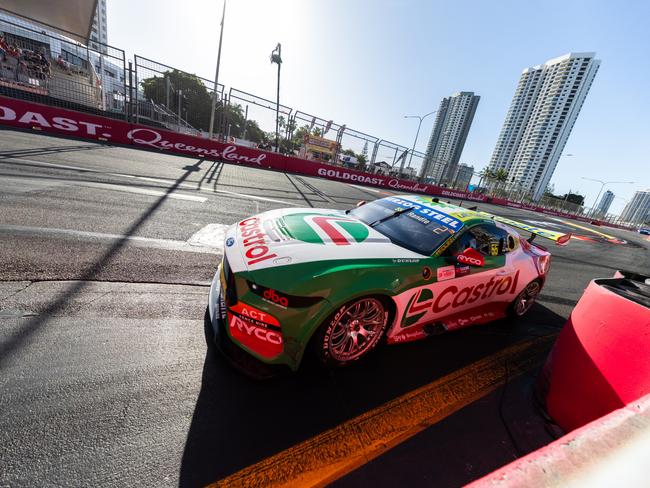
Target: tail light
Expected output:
[543,263]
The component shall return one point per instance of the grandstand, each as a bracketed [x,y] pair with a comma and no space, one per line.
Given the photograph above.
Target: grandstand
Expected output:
[41,63]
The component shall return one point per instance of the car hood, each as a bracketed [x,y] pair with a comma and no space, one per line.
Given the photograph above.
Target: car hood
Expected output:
[299,235]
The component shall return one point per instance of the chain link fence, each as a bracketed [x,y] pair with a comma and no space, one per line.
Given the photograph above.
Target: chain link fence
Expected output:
[54,70]
[173,99]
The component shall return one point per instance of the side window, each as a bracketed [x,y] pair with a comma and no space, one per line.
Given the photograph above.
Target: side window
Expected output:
[487,239]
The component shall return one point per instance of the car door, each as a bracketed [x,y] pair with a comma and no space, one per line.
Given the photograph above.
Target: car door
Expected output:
[480,283]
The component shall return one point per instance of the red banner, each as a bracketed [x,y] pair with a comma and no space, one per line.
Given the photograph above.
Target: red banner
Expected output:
[55,120]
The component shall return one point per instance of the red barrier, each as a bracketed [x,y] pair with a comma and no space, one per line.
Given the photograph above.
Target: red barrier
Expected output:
[610,451]
[601,360]
[55,120]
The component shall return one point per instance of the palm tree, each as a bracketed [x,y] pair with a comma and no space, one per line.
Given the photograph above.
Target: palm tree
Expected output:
[485,174]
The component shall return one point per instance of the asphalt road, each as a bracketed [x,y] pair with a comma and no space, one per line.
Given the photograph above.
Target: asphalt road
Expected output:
[105,371]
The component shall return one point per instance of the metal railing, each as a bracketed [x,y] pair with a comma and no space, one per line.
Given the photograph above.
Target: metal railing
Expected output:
[52,69]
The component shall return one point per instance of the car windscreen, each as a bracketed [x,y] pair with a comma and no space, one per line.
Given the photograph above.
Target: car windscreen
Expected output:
[422,229]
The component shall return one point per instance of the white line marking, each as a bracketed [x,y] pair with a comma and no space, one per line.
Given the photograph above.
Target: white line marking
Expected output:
[153,180]
[142,191]
[212,235]
[167,244]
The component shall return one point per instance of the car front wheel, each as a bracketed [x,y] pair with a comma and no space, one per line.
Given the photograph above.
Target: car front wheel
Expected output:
[351,332]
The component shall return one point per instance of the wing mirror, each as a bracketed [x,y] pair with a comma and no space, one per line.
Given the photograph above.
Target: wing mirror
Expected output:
[472,257]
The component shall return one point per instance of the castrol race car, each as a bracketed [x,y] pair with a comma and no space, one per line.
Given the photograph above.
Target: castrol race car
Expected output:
[335,283]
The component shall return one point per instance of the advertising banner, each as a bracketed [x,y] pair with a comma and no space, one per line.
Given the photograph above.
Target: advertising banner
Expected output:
[54,120]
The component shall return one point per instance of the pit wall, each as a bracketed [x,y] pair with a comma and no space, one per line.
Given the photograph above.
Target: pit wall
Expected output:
[23,114]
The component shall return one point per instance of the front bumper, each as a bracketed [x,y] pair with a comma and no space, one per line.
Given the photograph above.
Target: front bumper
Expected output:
[236,356]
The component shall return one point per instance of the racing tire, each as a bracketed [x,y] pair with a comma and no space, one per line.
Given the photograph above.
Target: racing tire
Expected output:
[351,332]
[525,300]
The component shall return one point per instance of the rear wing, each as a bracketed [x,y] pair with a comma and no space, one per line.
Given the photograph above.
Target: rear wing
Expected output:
[560,238]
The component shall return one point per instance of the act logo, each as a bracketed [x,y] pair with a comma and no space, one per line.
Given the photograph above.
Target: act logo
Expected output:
[325,229]
[417,306]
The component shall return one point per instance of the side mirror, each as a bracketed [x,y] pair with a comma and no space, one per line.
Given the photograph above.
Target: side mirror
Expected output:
[472,257]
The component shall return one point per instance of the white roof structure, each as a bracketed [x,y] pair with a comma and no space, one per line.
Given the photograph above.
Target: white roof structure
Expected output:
[72,18]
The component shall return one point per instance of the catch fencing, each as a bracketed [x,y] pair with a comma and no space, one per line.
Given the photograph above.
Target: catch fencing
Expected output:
[54,70]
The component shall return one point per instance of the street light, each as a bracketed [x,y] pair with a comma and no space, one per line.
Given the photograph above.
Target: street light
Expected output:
[276,57]
[420,118]
[216,75]
[602,185]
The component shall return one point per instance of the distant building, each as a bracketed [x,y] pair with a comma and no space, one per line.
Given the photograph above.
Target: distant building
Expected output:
[638,210]
[453,120]
[318,148]
[544,108]
[605,202]
[463,176]
[99,30]
[381,167]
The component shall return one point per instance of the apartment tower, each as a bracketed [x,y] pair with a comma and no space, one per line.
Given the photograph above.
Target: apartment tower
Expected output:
[453,120]
[544,108]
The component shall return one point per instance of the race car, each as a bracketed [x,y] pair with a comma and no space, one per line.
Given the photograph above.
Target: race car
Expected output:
[644,231]
[335,283]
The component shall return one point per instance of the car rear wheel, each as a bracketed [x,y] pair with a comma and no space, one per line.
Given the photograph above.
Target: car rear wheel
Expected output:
[525,300]
[351,332]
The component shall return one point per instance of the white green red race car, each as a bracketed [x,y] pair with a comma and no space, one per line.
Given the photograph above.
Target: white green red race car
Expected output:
[400,268]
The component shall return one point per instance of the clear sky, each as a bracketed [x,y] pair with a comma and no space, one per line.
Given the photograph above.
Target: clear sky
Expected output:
[367,63]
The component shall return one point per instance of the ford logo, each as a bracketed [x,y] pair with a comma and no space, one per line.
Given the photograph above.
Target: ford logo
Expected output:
[230,241]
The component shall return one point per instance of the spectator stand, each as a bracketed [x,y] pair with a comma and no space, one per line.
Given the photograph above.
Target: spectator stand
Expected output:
[50,68]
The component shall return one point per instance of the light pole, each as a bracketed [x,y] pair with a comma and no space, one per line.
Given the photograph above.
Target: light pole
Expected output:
[602,186]
[276,57]
[420,118]
[216,74]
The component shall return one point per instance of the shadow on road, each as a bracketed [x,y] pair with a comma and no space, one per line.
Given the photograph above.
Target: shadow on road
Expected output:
[19,338]
[37,151]
[238,421]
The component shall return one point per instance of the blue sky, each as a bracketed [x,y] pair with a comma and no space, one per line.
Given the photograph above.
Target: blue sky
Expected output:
[367,63]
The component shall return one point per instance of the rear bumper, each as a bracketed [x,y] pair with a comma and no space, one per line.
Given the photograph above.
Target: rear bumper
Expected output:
[237,357]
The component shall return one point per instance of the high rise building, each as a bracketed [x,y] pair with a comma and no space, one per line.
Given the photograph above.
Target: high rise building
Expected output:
[605,202]
[544,108]
[463,176]
[448,137]
[99,31]
[638,209]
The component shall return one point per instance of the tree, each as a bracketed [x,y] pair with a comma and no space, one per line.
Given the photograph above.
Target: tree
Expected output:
[574,198]
[175,87]
[196,104]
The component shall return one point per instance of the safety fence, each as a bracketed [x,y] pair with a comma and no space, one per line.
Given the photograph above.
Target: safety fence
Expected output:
[26,114]
[53,70]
